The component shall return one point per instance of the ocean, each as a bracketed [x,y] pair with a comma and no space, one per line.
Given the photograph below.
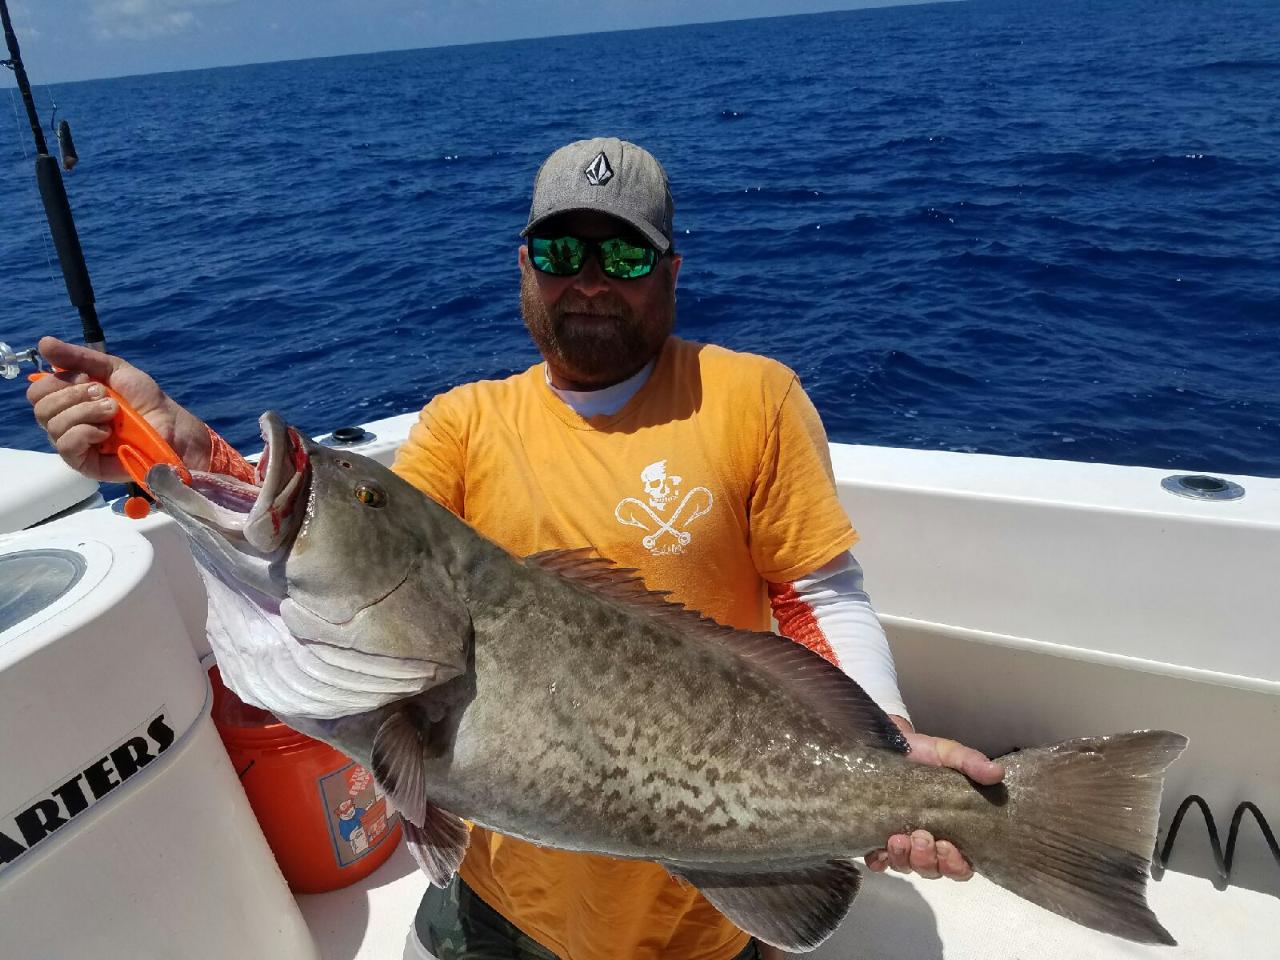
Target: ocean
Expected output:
[1033,229]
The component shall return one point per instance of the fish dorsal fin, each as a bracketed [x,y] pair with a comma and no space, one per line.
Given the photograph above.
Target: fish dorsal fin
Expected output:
[794,908]
[814,678]
[583,565]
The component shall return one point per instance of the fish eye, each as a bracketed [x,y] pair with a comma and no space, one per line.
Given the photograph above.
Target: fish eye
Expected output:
[345,464]
[370,495]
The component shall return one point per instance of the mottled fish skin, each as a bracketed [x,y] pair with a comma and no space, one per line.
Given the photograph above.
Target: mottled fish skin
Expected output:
[558,701]
[629,736]
[588,725]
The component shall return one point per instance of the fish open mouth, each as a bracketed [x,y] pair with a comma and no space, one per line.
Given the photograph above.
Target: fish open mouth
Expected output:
[264,512]
[226,492]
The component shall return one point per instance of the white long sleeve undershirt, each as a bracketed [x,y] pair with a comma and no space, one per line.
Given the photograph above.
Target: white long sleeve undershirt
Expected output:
[831,607]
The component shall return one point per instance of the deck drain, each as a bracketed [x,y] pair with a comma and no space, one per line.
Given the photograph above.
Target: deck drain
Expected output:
[1201,486]
[348,437]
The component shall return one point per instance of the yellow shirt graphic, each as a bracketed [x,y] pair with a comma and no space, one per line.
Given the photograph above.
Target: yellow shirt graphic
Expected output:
[714,479]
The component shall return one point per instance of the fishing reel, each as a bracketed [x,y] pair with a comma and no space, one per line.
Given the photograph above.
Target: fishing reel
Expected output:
[66,146]
[11,361]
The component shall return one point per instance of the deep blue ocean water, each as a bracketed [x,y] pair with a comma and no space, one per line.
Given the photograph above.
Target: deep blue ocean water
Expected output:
[1037,229]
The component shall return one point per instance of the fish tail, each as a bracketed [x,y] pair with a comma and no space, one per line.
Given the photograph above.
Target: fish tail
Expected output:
[1080,822]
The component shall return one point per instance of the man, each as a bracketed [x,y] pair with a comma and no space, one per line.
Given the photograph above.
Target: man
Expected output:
[705,469]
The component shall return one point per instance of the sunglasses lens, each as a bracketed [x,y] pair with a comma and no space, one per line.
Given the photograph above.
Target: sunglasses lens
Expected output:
[564,256]
[561,256]
[625,260]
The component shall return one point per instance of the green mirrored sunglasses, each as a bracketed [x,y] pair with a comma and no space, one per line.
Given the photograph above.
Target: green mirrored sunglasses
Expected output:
[618,258]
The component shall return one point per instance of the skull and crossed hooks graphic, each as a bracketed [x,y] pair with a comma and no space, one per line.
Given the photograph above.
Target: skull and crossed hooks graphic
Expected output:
[662,489]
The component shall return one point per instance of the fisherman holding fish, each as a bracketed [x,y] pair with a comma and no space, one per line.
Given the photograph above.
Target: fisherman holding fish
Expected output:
[705,470]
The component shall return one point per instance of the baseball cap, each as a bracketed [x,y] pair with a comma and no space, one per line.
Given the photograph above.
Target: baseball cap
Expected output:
[609,176]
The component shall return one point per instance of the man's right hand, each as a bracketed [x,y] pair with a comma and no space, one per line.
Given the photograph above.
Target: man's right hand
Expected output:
[74,410]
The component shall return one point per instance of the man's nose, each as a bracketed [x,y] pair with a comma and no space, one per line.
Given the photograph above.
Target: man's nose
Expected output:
[591,280]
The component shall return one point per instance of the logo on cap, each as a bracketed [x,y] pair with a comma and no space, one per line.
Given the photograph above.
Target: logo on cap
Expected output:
[598,170]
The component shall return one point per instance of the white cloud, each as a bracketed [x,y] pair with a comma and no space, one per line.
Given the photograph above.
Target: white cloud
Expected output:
[23,24]
[145,19]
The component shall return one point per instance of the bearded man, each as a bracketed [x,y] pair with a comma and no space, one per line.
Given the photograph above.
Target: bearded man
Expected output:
[705,469]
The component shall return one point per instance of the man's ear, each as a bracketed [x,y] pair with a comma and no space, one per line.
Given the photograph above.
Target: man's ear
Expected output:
[674,265]
[522,257]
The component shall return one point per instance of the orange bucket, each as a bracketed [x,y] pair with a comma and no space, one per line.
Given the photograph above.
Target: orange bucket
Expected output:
[324,818]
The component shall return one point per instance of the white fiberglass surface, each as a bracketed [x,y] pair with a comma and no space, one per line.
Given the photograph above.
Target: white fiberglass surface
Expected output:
[1137,576]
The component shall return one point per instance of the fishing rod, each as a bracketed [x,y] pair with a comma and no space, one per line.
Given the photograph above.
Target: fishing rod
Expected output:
[57,208]
[133,441]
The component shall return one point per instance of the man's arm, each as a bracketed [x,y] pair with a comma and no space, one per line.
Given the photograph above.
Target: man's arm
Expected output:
[830,613]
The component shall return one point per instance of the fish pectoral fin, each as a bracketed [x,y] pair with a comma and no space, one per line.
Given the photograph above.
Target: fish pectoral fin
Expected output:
[436,838]
[795,908]
[438,845]
[399,754]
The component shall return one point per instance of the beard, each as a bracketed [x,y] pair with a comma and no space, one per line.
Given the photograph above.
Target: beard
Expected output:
[601,349]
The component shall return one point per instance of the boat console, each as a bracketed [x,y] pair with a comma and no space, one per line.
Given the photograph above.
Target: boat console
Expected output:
[124,831]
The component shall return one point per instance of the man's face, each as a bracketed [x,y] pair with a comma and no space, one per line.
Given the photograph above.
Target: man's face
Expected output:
[594,330]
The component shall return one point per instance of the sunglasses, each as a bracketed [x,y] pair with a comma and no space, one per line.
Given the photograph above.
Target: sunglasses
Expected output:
[618,258]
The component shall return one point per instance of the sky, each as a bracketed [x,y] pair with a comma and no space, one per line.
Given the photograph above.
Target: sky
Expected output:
[64,40]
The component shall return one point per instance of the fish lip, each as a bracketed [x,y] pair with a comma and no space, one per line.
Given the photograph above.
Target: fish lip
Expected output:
[284,456]
[231,506]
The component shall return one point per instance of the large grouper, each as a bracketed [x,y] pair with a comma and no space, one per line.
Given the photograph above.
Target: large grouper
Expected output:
[556,699]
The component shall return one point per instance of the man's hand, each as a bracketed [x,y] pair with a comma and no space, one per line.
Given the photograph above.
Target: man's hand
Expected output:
[919,852]
[73,409]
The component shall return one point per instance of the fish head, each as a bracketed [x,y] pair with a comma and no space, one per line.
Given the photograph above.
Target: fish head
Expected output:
[318,602]
[356,543]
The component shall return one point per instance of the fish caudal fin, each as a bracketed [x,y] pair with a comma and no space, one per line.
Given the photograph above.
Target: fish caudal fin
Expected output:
[795,908]
[1082,818]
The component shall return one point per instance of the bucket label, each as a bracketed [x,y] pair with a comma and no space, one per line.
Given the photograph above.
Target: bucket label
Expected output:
[359,816]
[77,790]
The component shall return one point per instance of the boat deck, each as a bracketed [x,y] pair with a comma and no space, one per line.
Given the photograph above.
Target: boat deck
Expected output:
[894,918]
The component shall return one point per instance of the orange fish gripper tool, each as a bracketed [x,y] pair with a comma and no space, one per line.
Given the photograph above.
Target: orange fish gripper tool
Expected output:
[138,447]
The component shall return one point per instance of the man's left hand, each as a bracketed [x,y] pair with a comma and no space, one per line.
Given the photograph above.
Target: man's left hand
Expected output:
[919,852]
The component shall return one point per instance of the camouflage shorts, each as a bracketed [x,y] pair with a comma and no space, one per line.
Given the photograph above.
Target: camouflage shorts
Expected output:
[453,923]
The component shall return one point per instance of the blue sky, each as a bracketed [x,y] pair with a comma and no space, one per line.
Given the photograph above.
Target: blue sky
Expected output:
[80,39]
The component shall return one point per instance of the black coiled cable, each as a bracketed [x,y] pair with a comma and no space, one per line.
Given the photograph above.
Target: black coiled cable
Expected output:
[1224,858]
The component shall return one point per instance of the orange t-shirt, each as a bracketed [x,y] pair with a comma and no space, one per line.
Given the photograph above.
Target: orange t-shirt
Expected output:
[714,479]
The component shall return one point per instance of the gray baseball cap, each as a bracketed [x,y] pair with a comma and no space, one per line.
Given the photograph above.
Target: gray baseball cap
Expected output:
[610,176]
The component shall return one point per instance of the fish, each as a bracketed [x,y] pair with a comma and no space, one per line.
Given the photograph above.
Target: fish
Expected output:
[557,699]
